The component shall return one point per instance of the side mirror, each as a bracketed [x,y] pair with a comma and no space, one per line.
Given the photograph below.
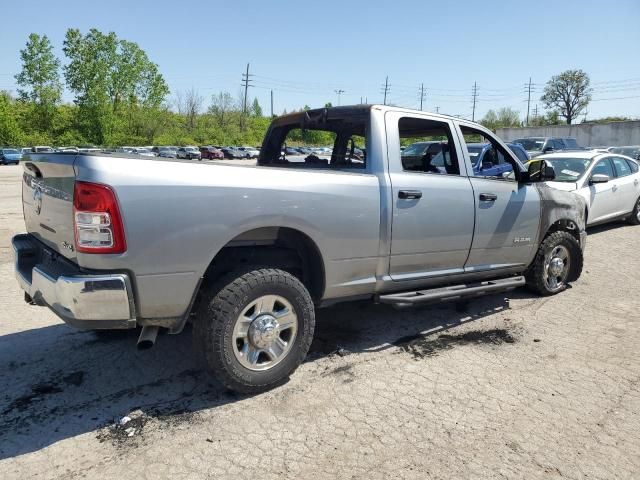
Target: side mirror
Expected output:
[598,178]
[540,171]
[486,165]
[547,150]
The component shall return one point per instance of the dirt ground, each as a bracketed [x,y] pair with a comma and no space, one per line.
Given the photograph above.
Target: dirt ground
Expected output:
[511,386]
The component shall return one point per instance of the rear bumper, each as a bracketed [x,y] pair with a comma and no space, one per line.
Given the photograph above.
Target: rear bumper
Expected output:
[83,300]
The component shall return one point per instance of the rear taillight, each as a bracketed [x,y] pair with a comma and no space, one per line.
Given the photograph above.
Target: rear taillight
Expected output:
[96,219]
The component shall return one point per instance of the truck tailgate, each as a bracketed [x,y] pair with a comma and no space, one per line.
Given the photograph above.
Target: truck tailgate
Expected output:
[47,200]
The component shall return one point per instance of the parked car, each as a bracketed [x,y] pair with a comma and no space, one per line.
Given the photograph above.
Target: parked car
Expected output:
[538,145]
[249,152]
[10,156]
[144,152]
[632,151]
[609,183]
[248,252]
[167,152]
[42,149]
[211,153]
[24,150]
[231,153]
[486,163]
[189,153]
[292,151]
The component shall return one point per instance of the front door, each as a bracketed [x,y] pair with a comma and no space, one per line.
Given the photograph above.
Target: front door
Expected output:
[432,198]
[507,212]
[602,196]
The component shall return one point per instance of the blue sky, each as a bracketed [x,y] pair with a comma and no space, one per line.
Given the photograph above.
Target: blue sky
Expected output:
[305,51]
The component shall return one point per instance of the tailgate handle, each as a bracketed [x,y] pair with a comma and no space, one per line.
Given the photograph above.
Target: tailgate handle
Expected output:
[488,197]
[410,194]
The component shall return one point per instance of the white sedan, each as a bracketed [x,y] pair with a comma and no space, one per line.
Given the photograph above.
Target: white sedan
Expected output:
[609,183]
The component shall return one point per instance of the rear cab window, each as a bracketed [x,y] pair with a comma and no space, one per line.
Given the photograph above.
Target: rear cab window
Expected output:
[334,139]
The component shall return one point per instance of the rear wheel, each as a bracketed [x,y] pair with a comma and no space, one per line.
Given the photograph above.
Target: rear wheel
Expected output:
[254,328]
[634,219]
[557,263]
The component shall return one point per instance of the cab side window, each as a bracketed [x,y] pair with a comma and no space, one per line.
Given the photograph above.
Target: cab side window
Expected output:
[427,146]
[622,167]
[494,156]
[633,166]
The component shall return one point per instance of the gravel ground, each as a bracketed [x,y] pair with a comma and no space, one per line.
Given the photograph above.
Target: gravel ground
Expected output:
[504,387]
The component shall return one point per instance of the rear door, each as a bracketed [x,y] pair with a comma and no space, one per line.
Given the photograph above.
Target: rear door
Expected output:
[507,213]
[47,198]
[432,199]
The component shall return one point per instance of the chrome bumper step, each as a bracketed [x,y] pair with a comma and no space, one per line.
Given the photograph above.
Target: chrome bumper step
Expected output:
[450,293]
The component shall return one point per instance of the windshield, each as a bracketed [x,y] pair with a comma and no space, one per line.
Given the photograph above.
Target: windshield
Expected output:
[9,150]
[191,149]
[143,150]
[568,169]
[530,143]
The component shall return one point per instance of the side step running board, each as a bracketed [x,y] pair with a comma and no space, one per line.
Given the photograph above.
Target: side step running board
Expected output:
[453,292]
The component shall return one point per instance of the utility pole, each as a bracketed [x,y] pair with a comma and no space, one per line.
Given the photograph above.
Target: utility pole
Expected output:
[360,100]
[475,96]
[437,109]
[339,91]
[528,100]
[386,89]
[535,111]
[271,103]
[246,79]
[422,95]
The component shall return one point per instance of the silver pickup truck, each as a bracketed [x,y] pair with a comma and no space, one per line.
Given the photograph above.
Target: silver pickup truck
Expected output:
[248,252]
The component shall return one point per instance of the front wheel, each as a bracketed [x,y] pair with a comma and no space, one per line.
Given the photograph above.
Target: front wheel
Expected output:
[254,328]
[557,263]
[634,218]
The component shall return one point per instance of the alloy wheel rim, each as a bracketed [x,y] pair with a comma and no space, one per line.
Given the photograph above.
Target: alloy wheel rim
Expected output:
[556,268]
[264,332]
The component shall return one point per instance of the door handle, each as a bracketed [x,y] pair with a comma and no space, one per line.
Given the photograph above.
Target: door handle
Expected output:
[635,182]
[614,187]
[488,197]
[410,194]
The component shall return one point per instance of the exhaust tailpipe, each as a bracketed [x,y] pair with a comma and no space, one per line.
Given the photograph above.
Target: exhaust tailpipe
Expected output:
[147,338]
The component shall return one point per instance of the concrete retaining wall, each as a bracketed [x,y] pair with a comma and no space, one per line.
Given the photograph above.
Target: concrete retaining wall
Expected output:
[587,134]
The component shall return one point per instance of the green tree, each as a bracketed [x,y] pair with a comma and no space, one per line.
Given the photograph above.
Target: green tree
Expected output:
[504,117]
[112,80]
[256,109]
[550,118]
[10,133]
[569,93]
[222,105]
[39,80]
